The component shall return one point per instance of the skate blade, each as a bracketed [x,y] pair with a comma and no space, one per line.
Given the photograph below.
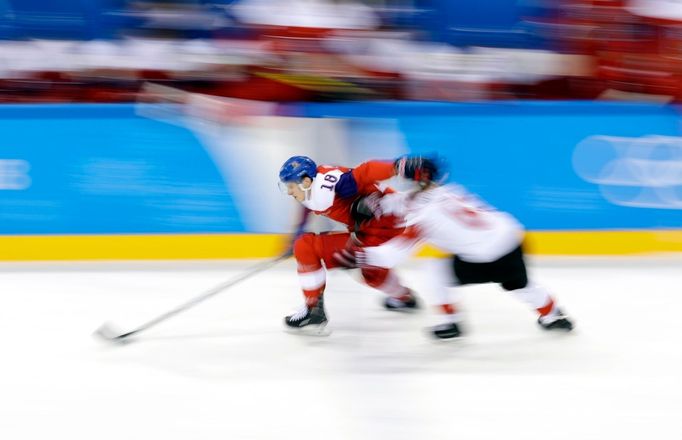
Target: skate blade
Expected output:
[403,310]
[310,330]
[445,340]
[457,343]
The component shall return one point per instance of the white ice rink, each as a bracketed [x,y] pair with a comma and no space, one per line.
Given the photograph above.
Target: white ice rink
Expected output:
[227,370]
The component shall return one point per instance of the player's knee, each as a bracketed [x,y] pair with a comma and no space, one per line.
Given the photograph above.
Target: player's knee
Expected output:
[304,245]
[516,284]
[375,277]
[304,249]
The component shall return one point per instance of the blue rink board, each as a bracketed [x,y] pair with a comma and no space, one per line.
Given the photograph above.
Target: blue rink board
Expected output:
[102,169]
[99,169]
[518,155]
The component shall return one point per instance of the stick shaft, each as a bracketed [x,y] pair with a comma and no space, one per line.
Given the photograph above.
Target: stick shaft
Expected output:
[206,295]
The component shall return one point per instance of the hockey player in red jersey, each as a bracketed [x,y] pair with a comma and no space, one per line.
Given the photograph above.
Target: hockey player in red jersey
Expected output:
[485,245]
[335,192]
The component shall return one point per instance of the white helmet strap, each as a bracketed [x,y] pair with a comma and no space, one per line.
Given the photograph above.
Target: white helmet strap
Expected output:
[306,191]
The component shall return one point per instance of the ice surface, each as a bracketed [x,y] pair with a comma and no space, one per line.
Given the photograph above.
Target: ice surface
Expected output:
[227,370]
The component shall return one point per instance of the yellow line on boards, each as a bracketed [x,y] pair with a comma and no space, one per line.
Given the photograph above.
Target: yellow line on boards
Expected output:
[139,247]
[603,242]
[237,246]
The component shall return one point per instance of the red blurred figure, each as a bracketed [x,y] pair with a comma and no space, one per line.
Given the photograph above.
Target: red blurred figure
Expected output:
[336,192]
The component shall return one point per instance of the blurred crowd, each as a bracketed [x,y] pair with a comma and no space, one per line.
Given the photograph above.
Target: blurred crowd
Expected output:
[337,50]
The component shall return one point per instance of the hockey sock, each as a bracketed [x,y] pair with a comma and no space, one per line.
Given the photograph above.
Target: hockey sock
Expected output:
[386,281]
[449,313]
[312,296]
[549,312]
[538,298]
[313,284]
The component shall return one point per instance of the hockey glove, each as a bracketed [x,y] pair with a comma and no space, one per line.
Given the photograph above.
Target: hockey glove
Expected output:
[351,257]
[366,208]
[417,168]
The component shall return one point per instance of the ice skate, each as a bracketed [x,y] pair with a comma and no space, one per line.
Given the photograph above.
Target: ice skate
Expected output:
[310,320]
[446,331]
[406,302]
[556,322]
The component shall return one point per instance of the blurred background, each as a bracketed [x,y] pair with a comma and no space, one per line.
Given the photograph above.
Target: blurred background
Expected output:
[154,130]
[173,117]
[335,50]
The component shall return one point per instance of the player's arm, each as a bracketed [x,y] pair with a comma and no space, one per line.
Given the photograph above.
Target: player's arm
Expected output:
[394,251]
[361,179]
[414,167]
[387,255]
[395,203]
[373,171]
[378,204]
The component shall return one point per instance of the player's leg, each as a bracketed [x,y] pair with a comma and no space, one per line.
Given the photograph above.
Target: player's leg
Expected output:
[462,273]
[312,277]
[375,232]
[438,280]
[510,271]
[398,297]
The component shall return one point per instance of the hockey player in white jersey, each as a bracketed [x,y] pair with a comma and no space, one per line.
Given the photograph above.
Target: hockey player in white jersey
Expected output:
[486,245]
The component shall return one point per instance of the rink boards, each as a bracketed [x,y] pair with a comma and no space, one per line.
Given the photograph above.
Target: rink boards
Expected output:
[246,246]
[152,181]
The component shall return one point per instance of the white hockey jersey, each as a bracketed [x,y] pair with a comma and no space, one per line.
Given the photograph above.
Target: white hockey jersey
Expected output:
[450,219]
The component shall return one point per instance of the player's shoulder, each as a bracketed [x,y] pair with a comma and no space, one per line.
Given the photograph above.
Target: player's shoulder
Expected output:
[450,190]
[326,169]
[435,196]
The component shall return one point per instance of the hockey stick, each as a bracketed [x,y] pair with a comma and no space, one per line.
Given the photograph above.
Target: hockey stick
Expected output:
[109,333]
